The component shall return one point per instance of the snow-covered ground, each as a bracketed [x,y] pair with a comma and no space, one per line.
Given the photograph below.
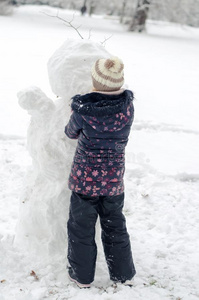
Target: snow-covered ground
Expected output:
[162,163]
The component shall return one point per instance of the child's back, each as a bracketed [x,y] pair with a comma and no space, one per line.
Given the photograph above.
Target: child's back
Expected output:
[101,122]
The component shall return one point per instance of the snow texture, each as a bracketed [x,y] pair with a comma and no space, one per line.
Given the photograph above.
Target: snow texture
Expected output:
[42,220]
[162,161]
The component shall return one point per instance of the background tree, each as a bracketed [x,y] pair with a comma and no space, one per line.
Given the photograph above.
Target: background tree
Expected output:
[139,19]
[123,11]
[135,12]
[178,11]
[6,7]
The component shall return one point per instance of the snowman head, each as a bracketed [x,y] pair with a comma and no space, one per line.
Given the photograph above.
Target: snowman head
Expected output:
[69,68]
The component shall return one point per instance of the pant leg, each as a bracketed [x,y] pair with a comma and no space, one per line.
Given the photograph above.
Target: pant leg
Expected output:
[115,238]
[82,250]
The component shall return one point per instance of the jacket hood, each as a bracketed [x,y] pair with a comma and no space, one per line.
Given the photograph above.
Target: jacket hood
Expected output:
[104,112]
[98,104]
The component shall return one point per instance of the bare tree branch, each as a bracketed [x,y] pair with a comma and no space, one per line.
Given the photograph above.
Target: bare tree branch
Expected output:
[106,39]
[89,35]
[67,23]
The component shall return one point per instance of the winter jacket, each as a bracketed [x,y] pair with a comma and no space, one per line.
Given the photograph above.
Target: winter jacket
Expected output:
[101,123]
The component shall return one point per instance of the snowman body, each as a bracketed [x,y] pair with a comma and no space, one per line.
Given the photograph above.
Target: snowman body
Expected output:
[44,204]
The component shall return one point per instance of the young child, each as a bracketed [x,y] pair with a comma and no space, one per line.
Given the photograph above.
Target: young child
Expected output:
[101,121]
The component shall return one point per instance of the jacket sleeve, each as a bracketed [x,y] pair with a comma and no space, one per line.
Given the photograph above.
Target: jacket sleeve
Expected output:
[74,126]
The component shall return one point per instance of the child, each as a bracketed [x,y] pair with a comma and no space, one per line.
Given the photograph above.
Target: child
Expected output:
[101,121]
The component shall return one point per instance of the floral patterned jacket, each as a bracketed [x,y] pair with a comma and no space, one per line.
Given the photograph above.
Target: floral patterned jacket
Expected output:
[101,123]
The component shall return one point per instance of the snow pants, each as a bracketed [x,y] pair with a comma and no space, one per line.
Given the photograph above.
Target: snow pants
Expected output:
[82,249]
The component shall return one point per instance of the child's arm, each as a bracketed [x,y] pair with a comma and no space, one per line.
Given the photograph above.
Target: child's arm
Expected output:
[74,126]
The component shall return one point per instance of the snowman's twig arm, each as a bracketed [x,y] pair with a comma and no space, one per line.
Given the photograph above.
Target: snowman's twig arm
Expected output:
[106,39]
[89,33]
[67,22]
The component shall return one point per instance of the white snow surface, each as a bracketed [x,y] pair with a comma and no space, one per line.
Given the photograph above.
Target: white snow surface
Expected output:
[162,162]
[38,228]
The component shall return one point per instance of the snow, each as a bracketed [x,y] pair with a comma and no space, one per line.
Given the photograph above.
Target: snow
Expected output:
[162,162]
[42,222]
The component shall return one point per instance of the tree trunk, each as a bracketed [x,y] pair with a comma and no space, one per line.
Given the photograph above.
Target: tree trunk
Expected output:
[139,19]
[123,11]
[91,7]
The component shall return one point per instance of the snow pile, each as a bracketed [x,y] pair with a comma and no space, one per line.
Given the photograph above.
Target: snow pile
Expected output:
[41,227]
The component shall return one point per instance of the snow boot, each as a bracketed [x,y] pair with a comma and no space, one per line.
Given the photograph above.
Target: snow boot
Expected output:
[129,283]
[72,278]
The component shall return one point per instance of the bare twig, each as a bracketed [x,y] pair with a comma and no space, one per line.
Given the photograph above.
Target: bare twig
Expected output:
[69,23]
[89,35]
[106,39]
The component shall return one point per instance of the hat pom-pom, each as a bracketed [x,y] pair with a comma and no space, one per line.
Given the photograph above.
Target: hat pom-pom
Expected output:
[114,64]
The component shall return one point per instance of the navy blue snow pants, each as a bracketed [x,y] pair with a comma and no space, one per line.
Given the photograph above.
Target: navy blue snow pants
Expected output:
[82,249]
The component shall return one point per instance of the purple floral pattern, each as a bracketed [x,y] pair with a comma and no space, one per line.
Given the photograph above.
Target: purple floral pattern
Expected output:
[92,181]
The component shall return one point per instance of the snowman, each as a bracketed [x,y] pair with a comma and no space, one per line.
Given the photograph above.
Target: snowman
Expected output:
[44,204]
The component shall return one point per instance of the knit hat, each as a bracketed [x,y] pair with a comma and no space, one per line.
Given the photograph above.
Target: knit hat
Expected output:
[107,74]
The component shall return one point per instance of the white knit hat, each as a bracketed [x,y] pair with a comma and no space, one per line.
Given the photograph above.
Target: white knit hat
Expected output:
[108,74]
